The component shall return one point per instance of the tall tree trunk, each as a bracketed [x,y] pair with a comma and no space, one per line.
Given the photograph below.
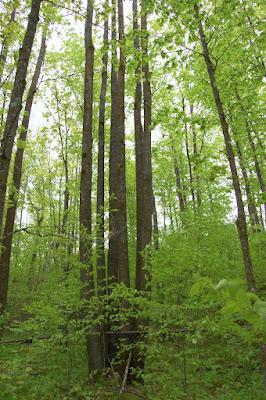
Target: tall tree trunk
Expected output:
[101,267]
[147,204]
[95,356]
[6,243]
[139,156]
[15,104]
[100,175]
[241,219]
[118,265]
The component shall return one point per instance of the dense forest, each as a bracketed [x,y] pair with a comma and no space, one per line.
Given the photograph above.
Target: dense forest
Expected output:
[132,200]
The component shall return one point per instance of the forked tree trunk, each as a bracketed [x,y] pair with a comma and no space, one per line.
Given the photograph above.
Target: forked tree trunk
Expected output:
[94,353]
[6,243]
[15,104]
[241,219]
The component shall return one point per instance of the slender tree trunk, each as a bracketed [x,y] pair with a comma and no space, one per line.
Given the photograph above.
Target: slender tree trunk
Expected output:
[6,244]
[139,156]
[241,219]
[146,155]
[155,224]
[189,158]
[195,157]
[177,177]
[253,215]
[254,153]
[100,176]
[15,104]
[95,356]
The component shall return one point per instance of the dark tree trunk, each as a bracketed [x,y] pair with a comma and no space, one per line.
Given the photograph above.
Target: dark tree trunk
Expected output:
[6,244]
[101,267]
[118,268]
[139,156]
[100,176]
[147,200]
[118,265]
[241,219]
[15,104]
[95,356]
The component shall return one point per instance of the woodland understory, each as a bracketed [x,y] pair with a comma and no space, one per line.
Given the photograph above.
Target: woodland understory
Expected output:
[132,200]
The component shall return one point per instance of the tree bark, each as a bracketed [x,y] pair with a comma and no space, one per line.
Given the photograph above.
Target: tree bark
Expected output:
[147,200]
[118,265]
[139,155]
[241,219]
[94,353]
[118,268]
[6,243]
[15,105]
[100,176]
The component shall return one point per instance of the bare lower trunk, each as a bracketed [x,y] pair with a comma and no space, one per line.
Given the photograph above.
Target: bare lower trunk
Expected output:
[94,353]
[118,266]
